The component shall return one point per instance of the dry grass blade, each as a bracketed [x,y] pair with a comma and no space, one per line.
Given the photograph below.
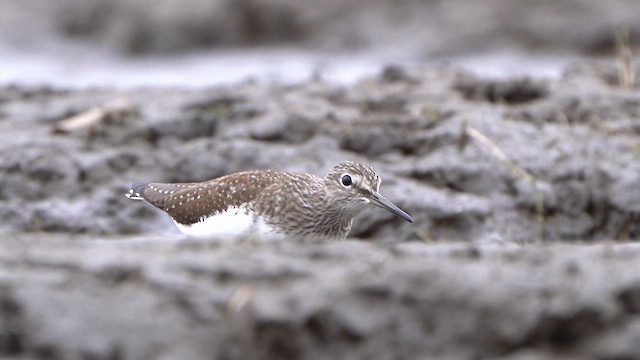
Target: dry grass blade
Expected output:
[240,299]
[626,73]
[95,117]
[516,171]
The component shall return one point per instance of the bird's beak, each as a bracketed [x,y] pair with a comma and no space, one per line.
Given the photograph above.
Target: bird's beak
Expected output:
[380,201]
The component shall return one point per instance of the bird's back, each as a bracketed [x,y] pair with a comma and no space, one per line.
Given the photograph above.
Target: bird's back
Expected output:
[229,205]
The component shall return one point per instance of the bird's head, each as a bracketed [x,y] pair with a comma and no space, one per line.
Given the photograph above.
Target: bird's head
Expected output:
[354,186]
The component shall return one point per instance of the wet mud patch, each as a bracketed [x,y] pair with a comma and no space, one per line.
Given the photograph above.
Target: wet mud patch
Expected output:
[509,92]
[13,337]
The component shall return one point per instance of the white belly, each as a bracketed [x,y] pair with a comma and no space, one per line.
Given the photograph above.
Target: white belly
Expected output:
[230,225]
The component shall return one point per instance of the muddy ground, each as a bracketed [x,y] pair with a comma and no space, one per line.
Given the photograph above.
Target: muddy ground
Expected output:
[499,176]
[160,299]
[417,28]
[471,159]
[524,191]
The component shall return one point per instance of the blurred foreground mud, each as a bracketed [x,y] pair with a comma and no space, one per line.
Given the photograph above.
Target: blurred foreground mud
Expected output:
[160,299]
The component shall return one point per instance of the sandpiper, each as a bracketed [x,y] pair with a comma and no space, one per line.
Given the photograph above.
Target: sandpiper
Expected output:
[270,203]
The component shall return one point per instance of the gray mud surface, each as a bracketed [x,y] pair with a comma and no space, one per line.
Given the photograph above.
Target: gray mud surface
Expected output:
[153,299]
[571,149]
[435,28]
[87,274]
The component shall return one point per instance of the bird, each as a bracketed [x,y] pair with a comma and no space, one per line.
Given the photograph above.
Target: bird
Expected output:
[269,203]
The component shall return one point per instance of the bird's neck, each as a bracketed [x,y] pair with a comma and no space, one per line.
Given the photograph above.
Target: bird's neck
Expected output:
[334,222]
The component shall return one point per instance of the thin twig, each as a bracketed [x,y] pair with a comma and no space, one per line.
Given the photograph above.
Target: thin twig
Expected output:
[517,172]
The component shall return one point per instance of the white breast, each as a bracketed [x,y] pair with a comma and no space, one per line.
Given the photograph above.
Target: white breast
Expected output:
[230,225]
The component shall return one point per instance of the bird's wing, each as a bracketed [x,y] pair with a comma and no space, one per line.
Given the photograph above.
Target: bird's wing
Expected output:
[188,203]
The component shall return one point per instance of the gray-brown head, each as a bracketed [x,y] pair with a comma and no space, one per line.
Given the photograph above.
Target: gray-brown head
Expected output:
[354,186]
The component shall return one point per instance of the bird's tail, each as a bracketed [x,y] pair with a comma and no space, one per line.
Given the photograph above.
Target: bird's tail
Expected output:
[135,191]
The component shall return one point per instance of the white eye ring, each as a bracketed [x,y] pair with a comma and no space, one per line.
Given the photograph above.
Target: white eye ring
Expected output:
[346,180]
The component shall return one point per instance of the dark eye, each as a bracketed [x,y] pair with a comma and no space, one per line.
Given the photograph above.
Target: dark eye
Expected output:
[346,180]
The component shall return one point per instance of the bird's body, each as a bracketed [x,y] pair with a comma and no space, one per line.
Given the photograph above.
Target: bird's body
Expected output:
[269,203]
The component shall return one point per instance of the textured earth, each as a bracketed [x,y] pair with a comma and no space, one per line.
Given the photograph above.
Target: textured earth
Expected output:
[77,298]
[515,160]
[524,191]
[433,28]
[524,194]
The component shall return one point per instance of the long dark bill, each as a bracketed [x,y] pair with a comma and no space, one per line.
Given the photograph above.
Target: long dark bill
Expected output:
[380,201]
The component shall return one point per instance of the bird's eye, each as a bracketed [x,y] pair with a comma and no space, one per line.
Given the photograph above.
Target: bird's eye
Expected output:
[346,180]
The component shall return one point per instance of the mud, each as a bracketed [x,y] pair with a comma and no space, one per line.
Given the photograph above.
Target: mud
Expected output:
[471,159]
[524,190]
[419,28]
[150,298]
[485,272]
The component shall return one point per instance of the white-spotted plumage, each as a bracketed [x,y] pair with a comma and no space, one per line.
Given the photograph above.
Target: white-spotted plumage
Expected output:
[270,203]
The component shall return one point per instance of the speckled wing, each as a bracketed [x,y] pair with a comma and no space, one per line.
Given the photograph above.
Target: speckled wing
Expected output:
[188,203]
[156,193]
